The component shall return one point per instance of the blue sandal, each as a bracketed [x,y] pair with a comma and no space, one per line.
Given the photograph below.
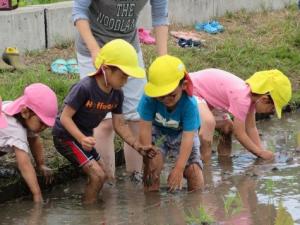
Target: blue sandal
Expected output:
[59,66]
[72,66]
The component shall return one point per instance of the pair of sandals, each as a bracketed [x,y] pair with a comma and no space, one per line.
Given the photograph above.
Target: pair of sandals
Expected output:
[61,66]
[189,43]
[145,36]
[212,27]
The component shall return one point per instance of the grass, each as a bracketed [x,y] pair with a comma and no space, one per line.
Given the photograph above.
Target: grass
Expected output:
[232,204]
[200,217]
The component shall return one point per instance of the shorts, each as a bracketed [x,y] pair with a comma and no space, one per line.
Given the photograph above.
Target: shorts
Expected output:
[169,146]
[133,89]
[219,114]
[74,152]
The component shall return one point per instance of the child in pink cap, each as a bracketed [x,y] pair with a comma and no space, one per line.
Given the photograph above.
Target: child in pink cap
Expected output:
[27,116]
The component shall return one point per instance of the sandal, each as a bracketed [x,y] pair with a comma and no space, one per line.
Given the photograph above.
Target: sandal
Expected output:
[189,43]
[145,37]
[72,66]
[11,56]
[59,66]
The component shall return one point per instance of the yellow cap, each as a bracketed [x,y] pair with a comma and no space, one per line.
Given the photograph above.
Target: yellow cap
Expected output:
[275,83]
[120,54]
[164,76]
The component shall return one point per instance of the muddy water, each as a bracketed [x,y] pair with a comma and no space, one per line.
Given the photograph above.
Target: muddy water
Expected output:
[239,191]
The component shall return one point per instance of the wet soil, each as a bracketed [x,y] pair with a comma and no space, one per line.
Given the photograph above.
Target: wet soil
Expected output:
[239,190]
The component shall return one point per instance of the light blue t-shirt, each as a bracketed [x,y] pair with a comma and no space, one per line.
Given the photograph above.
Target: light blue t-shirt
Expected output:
[185,116]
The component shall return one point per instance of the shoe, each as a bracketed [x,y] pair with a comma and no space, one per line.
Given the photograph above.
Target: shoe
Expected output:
[217,25]
[59,66]
[5,67]
[145,37]
[72,66]
[12,57]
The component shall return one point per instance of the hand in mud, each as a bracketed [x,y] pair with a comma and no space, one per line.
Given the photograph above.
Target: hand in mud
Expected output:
[149,151]
[175,179]
[47,173]
[88,143]
[266,155]
[152,170]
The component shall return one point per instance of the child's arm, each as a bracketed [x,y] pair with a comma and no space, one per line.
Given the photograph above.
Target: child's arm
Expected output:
[27,170]
[37,151]
[239,129]
[176,175]
[67,121]
[251,129]
[123,130]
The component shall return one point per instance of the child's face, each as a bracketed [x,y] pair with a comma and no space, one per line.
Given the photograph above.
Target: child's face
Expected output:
[116,78]
[265,104]
[171,99]
[32,121]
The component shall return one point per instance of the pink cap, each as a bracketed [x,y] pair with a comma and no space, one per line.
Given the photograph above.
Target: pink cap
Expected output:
[40,99]
[3,122]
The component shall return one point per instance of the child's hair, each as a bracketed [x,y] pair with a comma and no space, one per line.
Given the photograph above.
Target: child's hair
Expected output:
[40,99]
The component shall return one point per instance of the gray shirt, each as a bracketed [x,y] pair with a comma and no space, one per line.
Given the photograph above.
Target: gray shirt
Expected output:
[115,19]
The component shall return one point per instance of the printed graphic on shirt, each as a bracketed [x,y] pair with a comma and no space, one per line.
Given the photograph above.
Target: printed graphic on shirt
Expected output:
[122,19]
[166,123]
[100,105]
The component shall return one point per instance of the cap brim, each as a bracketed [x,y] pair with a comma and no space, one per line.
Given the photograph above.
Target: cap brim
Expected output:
[14,107]
[136,72]
[158,91]
[49,121]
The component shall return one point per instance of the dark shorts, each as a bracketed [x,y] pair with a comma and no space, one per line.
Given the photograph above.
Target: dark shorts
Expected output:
[74,152]
[169,146]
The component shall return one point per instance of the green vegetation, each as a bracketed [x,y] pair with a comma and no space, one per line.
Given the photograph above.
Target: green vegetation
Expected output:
[283,217]
[232,204]
[200,217]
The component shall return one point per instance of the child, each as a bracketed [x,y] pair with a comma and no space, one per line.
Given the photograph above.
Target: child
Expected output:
[220,92]
[3,122]
[26,117]
[169,115]
[87,104]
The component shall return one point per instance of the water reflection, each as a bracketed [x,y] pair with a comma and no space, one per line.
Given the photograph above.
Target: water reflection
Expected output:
[259,186]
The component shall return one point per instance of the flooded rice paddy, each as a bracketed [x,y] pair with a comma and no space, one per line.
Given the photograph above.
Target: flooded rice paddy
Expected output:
[240,190]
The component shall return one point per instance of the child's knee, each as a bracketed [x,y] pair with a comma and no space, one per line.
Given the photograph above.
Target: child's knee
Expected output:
[207,129]
[193,174]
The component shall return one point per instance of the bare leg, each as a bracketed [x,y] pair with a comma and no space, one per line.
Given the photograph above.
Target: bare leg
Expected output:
[96,179]
[194,176]
[104,135]
[206,132]
[134,161]
[152,170]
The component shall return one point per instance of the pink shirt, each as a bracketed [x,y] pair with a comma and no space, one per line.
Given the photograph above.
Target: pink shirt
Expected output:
[223,90]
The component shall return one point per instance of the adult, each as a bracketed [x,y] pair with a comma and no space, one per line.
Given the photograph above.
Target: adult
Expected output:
[97,22]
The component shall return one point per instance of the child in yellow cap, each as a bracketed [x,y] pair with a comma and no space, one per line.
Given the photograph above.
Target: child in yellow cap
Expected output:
[220,93]
[170,119]
[87,104]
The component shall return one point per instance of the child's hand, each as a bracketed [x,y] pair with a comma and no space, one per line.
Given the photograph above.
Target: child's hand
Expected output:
[47,173]
[150,151]
[88,143]
[175,179]
[266,154]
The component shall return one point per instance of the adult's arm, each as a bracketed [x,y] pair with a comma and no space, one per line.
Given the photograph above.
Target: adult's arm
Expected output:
[81,21]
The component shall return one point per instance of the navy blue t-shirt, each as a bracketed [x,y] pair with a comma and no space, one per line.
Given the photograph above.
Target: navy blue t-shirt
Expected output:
[91,105]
